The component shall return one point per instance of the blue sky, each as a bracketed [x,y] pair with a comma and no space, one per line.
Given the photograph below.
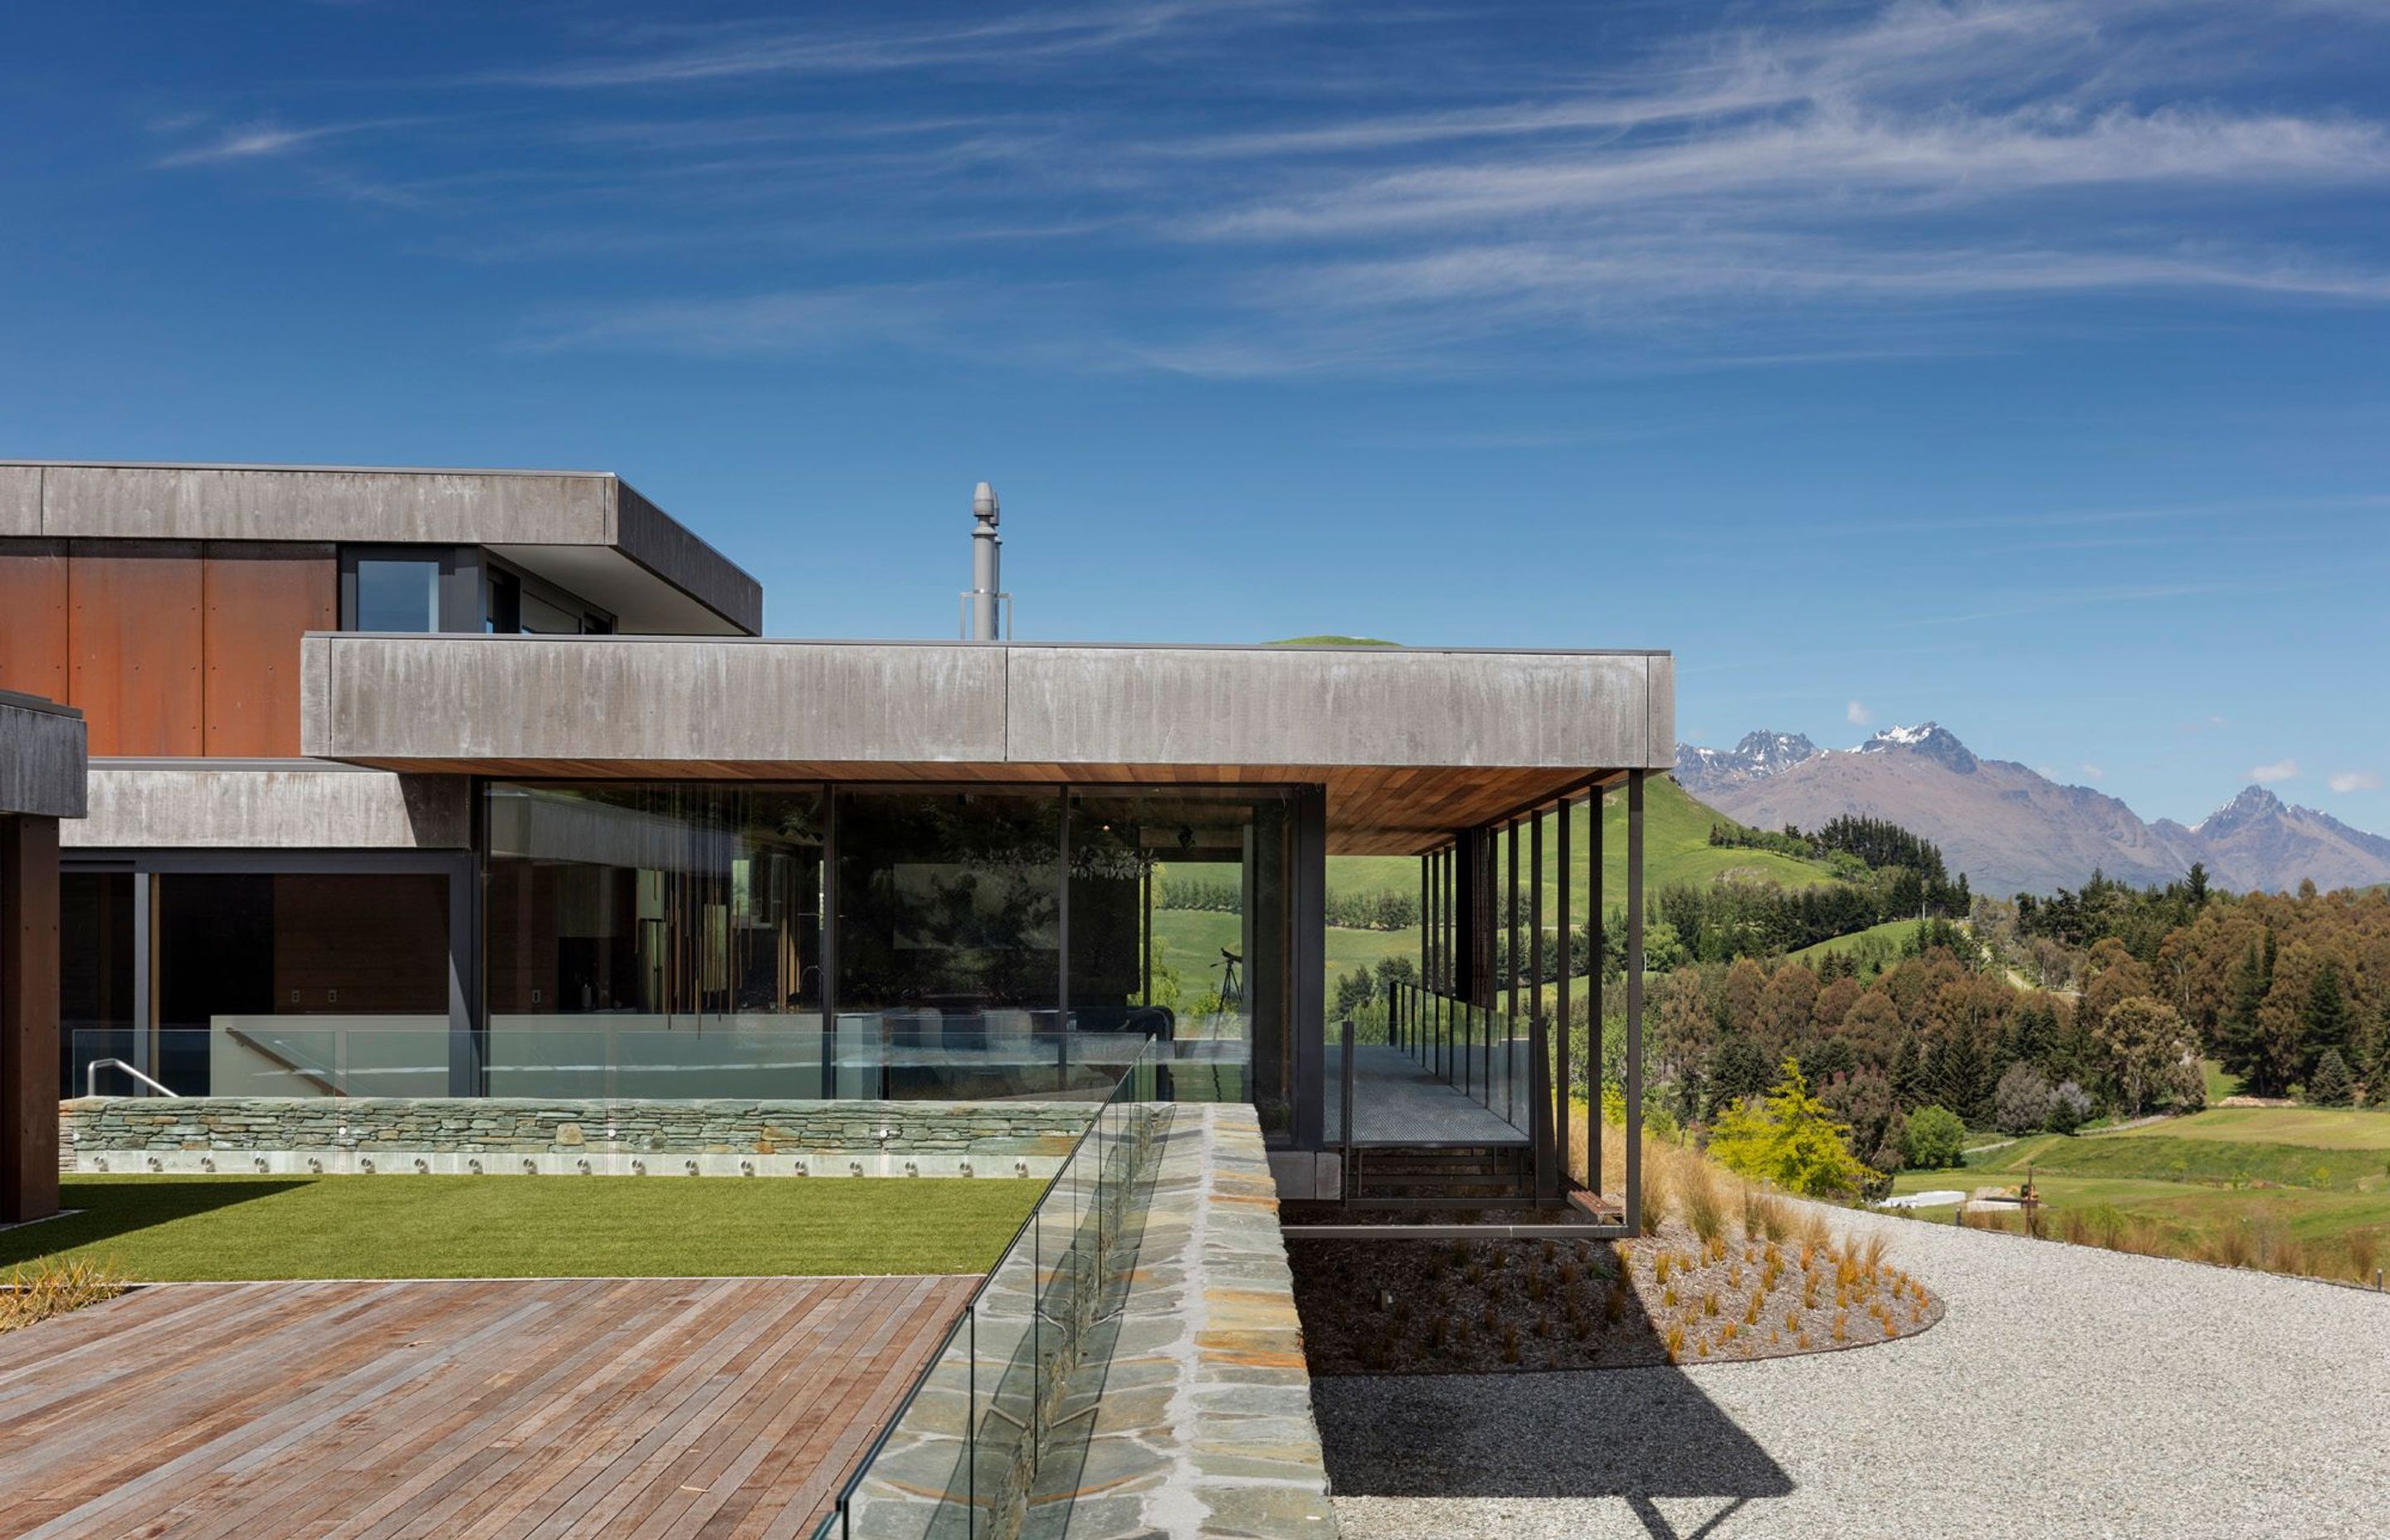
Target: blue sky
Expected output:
[2018,364]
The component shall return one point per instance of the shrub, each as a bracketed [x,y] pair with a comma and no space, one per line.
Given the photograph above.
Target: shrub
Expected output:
[2070,1107]
[2022,1103]
[1936,1138]
[1791,1139]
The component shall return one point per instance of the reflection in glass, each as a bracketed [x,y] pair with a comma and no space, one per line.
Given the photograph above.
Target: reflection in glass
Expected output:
[259,976]
[656,898]
[98,1014]
[948,901]
[397,594]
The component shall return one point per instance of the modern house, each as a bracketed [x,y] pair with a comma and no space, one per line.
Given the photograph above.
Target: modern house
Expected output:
[469,783]
[40,782]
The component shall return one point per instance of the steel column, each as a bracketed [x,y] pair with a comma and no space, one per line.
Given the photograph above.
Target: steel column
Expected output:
[1635,1000]
[1596,962]
[1561,1046]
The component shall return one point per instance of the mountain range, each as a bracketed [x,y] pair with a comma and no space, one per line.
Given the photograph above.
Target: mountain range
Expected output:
[2012,830]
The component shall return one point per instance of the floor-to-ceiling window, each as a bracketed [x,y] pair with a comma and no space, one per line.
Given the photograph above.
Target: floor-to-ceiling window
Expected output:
[288,977]
[652,938]
[684,930]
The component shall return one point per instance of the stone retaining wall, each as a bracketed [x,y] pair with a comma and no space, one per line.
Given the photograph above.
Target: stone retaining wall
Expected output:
[497,1135]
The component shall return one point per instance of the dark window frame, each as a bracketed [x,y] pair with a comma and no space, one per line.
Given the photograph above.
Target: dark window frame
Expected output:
[460,581]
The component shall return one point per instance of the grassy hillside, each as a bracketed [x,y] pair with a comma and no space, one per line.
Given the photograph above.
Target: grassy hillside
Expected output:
[1677,849]
[1892,933]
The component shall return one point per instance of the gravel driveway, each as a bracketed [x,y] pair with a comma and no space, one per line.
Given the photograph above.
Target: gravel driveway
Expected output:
[2070,1391]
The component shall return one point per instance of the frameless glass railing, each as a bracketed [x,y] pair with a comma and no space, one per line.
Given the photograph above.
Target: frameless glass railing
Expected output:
[1011,1390]
[878,1055]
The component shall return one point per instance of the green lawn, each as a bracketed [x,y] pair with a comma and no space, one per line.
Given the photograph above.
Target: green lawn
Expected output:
[1189,939]
[2186,1210]
[2319,1127]
[2157,1154]
[240,1228]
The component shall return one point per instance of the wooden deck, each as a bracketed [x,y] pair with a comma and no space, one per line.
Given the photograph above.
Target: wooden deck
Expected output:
[634,1407]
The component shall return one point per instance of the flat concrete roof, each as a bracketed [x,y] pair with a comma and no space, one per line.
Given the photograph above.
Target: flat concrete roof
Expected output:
[585,530]
[41,757]
[1411,743]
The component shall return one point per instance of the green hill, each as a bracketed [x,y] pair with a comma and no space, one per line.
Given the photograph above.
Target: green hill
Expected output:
[1332,640]
[1676,849]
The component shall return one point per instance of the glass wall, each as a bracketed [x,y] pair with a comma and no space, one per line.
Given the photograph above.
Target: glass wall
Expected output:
[99,1016]
[256,983]
[643,914]
[664,899]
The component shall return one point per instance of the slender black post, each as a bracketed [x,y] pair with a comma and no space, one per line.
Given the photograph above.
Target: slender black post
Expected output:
[1344,1169]
[1635,1001]
[1511,920]
[1536,926]
[1561,1049]
[1597,961]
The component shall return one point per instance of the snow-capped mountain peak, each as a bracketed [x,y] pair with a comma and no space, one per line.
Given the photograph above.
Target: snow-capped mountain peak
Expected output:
[1929,738]
[2253,803]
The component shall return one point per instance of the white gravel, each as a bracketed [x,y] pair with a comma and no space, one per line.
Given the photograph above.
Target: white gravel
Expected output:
[2069,1391]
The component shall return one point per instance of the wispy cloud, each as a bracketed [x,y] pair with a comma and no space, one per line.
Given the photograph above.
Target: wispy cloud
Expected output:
[784,322]
[250,142]
[1225,181]
[1858,715]
[2347,781]
[687,55]
[2093,772]
[2280,770]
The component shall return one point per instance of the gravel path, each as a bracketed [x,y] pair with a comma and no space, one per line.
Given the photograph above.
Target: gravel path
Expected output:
[2070,1391]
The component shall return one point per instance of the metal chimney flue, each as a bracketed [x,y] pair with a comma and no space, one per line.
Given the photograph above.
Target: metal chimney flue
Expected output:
[987,592]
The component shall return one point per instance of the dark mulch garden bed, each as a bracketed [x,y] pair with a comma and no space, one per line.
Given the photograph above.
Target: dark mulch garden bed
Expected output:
[1502,1306]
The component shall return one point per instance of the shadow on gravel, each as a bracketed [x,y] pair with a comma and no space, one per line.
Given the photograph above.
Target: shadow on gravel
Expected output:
[1636,1434]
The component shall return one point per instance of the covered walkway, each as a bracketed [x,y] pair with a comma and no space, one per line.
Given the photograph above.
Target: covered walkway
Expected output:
[1398,1101]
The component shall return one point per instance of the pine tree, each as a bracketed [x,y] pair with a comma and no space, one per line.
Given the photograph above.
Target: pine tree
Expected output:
[2324,1023]
[2330,1085]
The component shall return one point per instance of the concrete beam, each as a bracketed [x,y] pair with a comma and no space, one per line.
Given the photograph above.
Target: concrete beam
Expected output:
[268,804]
[525,512]
[42,747]
[1378,706]
[664,701]
[386,700]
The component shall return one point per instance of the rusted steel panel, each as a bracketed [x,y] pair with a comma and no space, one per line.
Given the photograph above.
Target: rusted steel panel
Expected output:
[258,600]
[135,644]
[33,617]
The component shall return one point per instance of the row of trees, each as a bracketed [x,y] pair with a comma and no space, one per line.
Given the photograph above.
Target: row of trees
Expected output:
[1387,910]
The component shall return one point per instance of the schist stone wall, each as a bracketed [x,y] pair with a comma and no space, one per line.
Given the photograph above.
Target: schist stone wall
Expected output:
[495,1136]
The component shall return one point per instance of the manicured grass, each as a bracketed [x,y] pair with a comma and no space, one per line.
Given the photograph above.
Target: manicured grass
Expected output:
[240,1228]
[2219,1085]
[1189,939]
[2157,1156]
[2187,1213]
[2317,1127]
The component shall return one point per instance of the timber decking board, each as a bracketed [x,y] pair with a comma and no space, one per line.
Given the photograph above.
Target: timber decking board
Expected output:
[726,1406]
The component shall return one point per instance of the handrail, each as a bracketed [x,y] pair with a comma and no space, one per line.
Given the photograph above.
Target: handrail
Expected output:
[91,1078]
[967,1318]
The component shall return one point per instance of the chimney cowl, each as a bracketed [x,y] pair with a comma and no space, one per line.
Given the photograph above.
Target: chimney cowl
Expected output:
[983,503]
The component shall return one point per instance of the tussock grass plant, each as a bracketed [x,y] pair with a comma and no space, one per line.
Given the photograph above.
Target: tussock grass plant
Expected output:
[43,1290]
[2364,1249]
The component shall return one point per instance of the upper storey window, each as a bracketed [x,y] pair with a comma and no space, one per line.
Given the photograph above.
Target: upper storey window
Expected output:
[397,594]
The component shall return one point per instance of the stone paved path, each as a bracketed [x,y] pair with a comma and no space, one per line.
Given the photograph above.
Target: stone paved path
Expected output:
[2071,1391]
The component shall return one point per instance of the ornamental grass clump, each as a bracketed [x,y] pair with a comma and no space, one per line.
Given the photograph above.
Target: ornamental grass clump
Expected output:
[47,1289]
